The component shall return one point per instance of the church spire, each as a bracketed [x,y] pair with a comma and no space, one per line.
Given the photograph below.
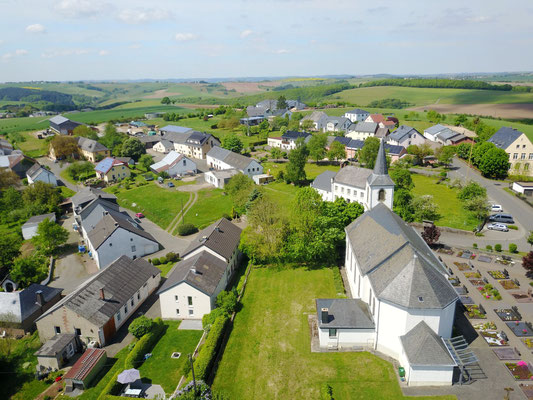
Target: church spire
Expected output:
[380,167]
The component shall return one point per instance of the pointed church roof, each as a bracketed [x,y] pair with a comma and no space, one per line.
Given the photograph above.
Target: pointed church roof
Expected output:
[380,175]
[423,346]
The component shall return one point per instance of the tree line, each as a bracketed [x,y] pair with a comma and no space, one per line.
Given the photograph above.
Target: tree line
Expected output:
[438,83]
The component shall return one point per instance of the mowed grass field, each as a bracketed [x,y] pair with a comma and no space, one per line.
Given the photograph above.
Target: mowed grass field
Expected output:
[209,207]
[268,355]
[451,209]
[423,96]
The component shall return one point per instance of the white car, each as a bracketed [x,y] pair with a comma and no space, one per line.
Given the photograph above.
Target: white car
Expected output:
[498,227]
[496,208]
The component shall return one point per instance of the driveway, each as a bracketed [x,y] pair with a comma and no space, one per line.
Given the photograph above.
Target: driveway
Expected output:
[56,169]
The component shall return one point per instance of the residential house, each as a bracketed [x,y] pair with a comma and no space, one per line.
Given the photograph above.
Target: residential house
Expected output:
[17,163]
[445,135]
[37,173]
[19,309]
[92,213]
[257,112]
[365,186]
[55,353]
[524,188]
[174,129]
[86,195]
[519,148]
[149,141]
[111,170]
[114,235]
[318,119]
[405,136]
[337,124]
[163,146]
[289,138]
[382,133]
[432,132]
[192,143]
[128,160]
[85,370]
[29,229]
[5,148]
[394,153]
[252,121]
[222,159]
[362,130]
[357,115]
[282,113]
[274,142]
[96,310]
[92,150]
[62,125]
[174,164]
[219,178]
[208,264]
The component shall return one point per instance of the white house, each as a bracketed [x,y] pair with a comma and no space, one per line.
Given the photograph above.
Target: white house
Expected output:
[362,130]
[163,146]
[40,174]
[405,136]
[368,187]
[318,119]
[29,229]
[288,140]
[188,142]
[337,124]
[208,264]
[174,164]
[221,159]
[525,188]
[356,115]
[113,236]
[219,178]
[432,132]
[91,215]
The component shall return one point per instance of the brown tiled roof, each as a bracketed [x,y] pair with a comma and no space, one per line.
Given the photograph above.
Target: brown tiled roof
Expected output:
[85,364]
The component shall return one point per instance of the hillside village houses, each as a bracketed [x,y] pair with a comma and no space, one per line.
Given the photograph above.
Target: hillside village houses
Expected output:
[174,164]
[38,173]
[268,109]
[99,307]
[219,158]
[357,115]
[381,121]
[111,170]
[352,146]
[17,163]
[405,136]
[318,118]
[519,148]
[403,305]
[207,267]
[445,136]
[62,125]
[92,150]
[6,148]
[29,228]
[287,141]
[187,141]
[362,130]
[337,124]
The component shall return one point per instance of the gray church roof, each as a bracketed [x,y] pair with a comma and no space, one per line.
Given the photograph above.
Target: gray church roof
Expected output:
[345,313]
[423,346]
[353,176]
[380,175]
[401,267]
[323,181]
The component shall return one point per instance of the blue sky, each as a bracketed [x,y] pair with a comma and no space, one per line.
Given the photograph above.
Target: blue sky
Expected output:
[115,39]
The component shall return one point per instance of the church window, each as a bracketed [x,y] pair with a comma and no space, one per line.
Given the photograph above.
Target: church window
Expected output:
[381,195]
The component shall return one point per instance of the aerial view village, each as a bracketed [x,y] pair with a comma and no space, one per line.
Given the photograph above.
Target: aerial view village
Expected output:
[198,202]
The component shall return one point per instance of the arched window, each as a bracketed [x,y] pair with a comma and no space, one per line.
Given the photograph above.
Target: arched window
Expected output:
[381,195]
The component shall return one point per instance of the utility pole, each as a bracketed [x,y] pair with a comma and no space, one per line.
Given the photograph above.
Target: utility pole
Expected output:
[193,378]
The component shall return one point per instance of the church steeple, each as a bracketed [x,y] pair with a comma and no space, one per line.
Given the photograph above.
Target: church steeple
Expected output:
[380,187]
[380,167]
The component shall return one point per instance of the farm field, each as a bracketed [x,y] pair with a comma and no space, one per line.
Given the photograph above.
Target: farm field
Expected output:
[269,358]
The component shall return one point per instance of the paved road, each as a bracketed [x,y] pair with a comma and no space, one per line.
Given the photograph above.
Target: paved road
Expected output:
[56,169]
[522,213]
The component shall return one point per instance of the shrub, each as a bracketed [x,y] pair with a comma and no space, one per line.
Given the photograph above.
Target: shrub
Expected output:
[156,261]
[498,247]
[187,229]
[210,318]
[227,301]
[227,216]
[204,361]
[140,326]
[513,248]
[112,387]
[513,227]
[144,345]
[488,247]
[326,392]
[162,260]
[172,257]
[474,245]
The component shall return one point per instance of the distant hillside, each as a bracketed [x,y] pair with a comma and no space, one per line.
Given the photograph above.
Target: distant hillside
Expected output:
[46,99]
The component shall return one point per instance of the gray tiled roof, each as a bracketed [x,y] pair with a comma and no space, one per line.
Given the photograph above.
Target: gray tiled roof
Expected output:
[176,137]
[357,111]
[399,264]
[353,176]
[504,137]
[365,127]
[323,181]
[382,132]
[315,116]
[345,314]
[55,345]
[423,346]
[222,237]
[23,303]
[175,128]
[37,219]
[433,130]
[120,281]
[96,210]
[402,133]
[36,170]
[108,224]
[237,161]
[58,119]
[88,194]
[380,174]
[202,271]
[255,111]
[446,134]
[90,145]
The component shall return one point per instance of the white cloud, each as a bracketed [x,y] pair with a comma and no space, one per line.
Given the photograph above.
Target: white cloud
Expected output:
[246,33]
[103,52]
[135,46]
[21,52]
[185,37]
[7,56]
[81,8]
[141,16]
[35,28]
[282,51]
[64,52]
[479,19]
[17,53]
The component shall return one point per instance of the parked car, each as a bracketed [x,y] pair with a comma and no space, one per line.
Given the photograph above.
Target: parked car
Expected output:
[496,208]
[505,218]
[170,185]
[139,215]
[498,227]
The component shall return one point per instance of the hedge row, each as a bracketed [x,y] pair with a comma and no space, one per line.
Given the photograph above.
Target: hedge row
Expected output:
[144,345]
[206,357]
[112,387]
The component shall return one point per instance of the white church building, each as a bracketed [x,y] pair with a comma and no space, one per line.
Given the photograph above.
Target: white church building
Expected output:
[403,304]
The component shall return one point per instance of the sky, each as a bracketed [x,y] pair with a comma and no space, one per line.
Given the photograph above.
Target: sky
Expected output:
[115,39]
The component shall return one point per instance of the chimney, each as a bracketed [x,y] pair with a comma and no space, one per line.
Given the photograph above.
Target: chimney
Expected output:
[39,297]
[102,295]
[193,270]
[324,316]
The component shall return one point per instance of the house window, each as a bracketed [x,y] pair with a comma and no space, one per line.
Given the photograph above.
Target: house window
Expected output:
[189,300]
[531,156]
[517,146]
[110,244]
[333,333]
[177,311]
[138,295]
[133,248]
[125,309]
[176,298]
[118,316]
[77,331]
[515,156]
[184,162]
[131,302]
[191,312]
[57,329]
[523,156]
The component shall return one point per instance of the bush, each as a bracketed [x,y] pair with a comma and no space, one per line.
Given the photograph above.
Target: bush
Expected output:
[204,361]
[140,326]
[488,247]
[187,229]
[474,245]
[172,257]
[228,217]
[156,261]
[210,318]
[144,345]
[498,247]
[513,248]
[326,392]
[162,260]
[112,387]
[513,227]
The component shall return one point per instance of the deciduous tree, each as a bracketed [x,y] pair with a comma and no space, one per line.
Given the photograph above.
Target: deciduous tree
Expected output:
[64,146]
[337,151]
[9,248]
[282,103]
[85,131]
[402,178]
[232,143]
[7,178]
[425,208]
[495,164]
[29,270]
[145,161]
[295,172]
[369,152]
[133,147]
[50,236]
[527,263]
[431,234]
[317,146]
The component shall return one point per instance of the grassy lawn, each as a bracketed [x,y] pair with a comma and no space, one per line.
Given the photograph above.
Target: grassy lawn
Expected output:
[32,147]
[312,170]
[66,192]
[17,382]
[268,354]
[160,368]
[209,207]
[160,205]
[165,268]
[450,207]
